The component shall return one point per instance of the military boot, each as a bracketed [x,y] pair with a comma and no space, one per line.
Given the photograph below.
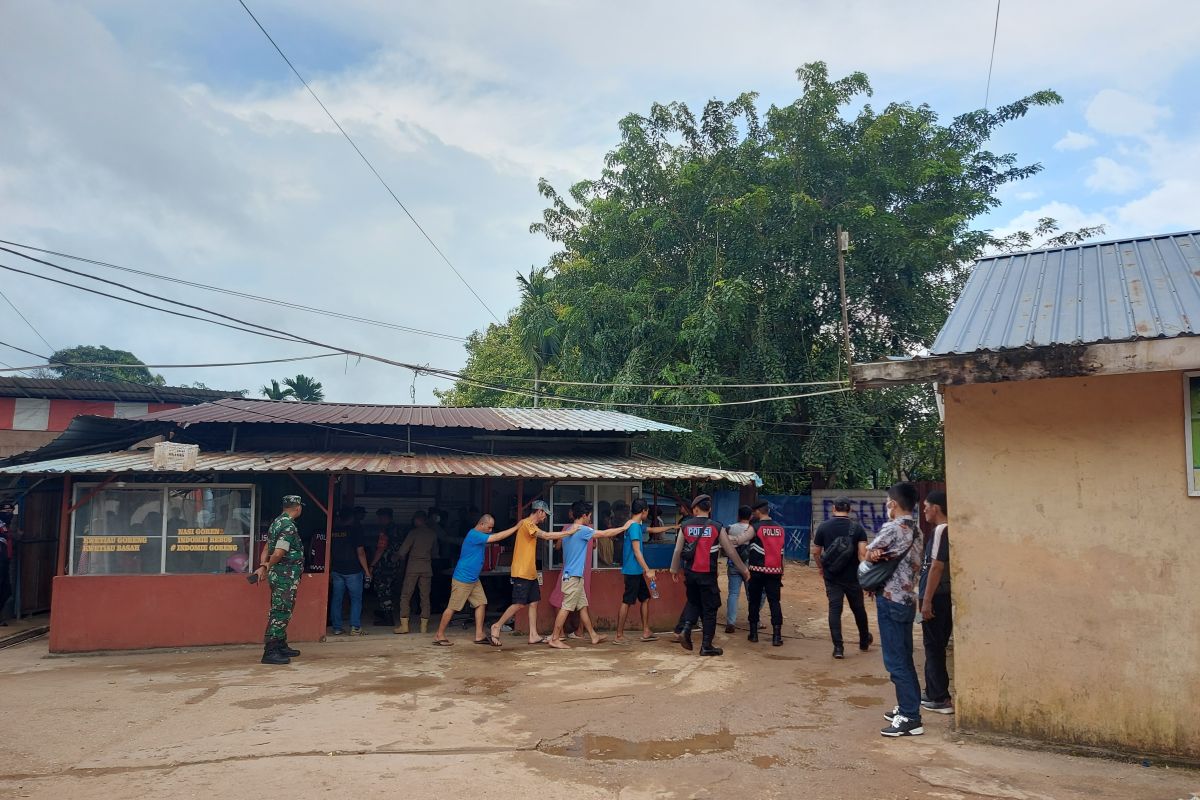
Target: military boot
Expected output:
[776,635]
[707,648]
[685,637]
[271,654]
[402,627]
[752,636]
[290,652]
[424,625]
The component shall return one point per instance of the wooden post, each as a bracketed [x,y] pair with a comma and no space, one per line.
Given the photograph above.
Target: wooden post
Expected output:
[329,525]
[64,526]
[843,244]
[520,498]
[486,500]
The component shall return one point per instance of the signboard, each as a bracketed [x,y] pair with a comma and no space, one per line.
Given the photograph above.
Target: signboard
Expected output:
[868,506]
[204,540]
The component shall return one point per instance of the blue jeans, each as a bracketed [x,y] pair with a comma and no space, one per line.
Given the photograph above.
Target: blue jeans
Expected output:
[735,588]
[896,640]
[339,585]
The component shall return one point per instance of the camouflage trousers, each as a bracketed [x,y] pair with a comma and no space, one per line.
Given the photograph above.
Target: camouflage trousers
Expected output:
[284,580]
[384,578]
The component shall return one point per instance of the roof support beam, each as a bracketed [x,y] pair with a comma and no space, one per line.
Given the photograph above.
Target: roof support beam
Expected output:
[311,496]
[1056,361]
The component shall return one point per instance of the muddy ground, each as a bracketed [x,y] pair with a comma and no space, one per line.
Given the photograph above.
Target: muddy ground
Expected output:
[388,715]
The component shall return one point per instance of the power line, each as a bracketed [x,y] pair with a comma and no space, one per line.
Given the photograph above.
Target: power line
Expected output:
[366,161]
[234,293]
[987,95]
[27,322]
[54,364]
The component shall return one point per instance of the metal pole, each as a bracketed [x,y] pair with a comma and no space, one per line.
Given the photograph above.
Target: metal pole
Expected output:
[843,244]
[64,526]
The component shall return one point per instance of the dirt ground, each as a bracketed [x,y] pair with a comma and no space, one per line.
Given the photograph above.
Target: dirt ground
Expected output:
[390,715]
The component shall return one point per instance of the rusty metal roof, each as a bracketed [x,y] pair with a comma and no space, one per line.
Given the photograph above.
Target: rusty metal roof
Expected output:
[488,419]
[539,466]
[117,391]
[1118,291]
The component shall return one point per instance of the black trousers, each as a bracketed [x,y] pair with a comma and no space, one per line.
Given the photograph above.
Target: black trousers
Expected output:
[703,602]
[936,633]
[836,591]
[760,583]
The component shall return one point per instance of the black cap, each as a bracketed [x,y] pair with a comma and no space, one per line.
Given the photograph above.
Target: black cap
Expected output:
[841,503]
[761,504]
[698,498]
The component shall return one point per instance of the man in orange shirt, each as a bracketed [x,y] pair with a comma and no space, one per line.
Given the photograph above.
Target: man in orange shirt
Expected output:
[526,592]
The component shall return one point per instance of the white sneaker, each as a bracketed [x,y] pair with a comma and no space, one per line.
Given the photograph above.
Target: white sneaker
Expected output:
[902,726]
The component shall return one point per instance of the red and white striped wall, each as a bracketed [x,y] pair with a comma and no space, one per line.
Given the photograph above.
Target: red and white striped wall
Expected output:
[29,414]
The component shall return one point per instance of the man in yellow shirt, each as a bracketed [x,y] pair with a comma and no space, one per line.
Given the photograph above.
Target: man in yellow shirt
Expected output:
[525,589]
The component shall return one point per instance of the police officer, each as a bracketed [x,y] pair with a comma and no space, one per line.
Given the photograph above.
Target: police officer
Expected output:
[766,571]
[700,540]
[283,569]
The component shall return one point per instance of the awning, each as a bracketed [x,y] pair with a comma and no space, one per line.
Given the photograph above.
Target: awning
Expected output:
[556,467]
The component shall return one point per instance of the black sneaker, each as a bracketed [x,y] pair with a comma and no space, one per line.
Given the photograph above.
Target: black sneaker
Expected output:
[838,652]
[889,714]
[903,726]
[864,646]
[710,650]
[946,707]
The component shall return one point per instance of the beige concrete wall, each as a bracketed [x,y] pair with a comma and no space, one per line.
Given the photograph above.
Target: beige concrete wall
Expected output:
[14,442]
[1075,562]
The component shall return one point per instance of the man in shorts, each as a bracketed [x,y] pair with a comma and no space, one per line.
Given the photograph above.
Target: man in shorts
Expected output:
[575,549]
[464,584]
[526,591]
[637,574]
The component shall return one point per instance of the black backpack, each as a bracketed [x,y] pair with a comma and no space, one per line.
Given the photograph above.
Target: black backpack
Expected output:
[838,555]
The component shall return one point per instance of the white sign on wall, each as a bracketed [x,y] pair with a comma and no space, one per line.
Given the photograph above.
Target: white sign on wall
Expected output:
[868,506]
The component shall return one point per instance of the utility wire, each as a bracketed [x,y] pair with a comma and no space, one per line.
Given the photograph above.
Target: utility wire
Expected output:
[987,95]
[244,295]
[53,364]
[26,320]
[366,161]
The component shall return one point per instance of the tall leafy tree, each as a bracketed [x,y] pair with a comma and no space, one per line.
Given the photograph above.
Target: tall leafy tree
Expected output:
[305,389]
[704,253]
[536,323]
[125,366]
[276,392]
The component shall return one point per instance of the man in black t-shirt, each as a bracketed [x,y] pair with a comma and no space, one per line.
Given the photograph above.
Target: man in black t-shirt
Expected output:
[843,584]
[348,571]
[937,620]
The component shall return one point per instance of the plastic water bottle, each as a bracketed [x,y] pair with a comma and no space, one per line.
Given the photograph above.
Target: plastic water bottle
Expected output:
[654,589]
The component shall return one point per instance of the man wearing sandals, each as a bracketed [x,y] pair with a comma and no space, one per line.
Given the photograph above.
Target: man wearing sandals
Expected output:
[636,573]
[526,592]
[464,584]
[575,550]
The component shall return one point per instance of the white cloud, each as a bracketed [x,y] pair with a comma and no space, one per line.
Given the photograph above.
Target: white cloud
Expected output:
[1109,176]
[1074,140]
[1069,217]
[1122,114]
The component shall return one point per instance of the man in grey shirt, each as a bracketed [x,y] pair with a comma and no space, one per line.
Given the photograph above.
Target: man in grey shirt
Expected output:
[740,533]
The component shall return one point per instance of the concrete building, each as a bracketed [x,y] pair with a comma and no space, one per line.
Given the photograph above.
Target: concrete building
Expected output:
[157,557]
[1073,469]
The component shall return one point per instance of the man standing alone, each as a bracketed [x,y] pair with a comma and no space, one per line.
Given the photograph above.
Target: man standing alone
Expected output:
[937,620]
[839,545]
[896,606]
[283,569]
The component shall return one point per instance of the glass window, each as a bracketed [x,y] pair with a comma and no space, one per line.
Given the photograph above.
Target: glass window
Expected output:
[611,502]
[132,530]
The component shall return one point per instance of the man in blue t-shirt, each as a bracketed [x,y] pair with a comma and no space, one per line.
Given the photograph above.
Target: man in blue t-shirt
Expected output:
[638,575]
[575,540]
[465,585]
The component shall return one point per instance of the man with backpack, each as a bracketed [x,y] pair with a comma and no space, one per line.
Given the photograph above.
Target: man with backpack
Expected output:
[700,540]
[839,545]
[765,559]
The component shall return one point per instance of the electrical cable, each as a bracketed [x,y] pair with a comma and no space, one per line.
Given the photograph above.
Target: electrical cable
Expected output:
[244,295]
[987,95]
[92,364]
[26,320]
[366,161]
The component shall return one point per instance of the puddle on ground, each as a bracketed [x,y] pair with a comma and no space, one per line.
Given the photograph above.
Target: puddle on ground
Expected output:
[399,685]
[609,748]
[829,682]
[861,680]
[486,686]
[862,701]
[774,657]
[765,762]
[870,680]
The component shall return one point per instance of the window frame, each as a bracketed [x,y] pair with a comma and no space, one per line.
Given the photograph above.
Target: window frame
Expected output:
[635,491]
[81,489]
[1188,415]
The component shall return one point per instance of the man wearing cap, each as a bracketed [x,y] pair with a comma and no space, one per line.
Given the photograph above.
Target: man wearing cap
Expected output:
[841,580]
[696,548]
[283,569]
[526,591]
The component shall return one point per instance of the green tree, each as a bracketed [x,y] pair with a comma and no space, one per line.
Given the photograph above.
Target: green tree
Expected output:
[135,372]
[305,389]
[536,323]
[276,392]
[704,253]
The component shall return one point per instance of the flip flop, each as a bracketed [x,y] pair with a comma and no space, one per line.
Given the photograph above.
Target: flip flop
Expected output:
[650,638]
[442,643]
[543,640]
[490,641]
[620,641]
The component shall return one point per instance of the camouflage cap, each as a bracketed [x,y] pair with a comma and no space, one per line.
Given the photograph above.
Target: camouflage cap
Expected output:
[292,500]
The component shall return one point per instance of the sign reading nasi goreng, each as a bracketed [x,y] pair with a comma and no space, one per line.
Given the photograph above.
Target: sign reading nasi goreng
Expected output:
[204,540]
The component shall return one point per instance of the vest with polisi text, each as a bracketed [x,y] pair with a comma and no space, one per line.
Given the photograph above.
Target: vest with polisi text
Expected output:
[704,537]
[766,548]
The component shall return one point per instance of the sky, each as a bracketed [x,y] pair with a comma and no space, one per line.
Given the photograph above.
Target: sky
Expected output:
[170,137]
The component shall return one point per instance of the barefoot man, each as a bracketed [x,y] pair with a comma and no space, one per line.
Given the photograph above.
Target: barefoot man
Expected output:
[525,589]
[575,547]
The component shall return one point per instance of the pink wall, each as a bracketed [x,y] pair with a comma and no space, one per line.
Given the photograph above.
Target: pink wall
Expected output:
[133,612]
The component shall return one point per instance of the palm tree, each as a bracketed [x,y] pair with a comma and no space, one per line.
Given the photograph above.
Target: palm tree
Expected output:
[276,392]
[537,323]
[305,389]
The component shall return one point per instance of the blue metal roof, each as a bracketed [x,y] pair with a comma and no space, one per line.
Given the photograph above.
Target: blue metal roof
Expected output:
[1116,291]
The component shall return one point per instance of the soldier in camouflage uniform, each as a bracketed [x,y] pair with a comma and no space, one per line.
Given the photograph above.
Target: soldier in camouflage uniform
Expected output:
[283,569]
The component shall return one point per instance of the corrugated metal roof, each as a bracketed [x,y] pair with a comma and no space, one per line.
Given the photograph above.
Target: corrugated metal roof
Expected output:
[1146,288]
[488,419]
[539,466]
[117,391]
